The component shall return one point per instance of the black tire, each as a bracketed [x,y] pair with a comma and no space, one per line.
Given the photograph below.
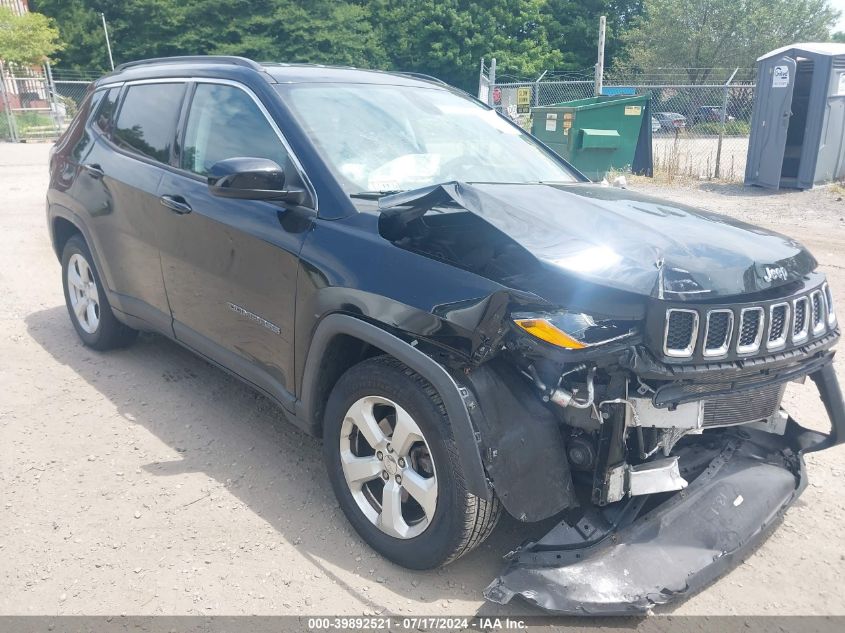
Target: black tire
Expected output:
[109,333]
[461,521]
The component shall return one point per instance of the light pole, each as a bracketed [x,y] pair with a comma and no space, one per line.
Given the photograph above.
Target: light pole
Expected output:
[600,63]
[108,44]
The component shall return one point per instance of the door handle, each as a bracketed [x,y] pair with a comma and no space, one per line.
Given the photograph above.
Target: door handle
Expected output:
[95,171]
[176,204]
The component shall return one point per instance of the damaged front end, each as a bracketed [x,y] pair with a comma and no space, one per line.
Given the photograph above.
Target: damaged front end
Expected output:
[661,500]
[624,559]
[631,389]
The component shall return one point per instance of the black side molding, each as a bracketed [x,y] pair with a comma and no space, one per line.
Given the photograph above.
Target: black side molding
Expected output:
[454,397]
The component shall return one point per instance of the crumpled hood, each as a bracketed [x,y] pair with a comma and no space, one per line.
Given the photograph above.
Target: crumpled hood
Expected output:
[621,239]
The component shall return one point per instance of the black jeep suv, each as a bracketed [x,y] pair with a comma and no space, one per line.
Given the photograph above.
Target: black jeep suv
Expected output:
[466,321]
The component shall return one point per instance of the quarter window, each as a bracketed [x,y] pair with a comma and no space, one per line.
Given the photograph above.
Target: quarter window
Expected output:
[147,120]
[224,122]
[78,134]
[105,110]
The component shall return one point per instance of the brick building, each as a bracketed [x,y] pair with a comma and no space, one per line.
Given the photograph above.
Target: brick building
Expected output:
[18,7]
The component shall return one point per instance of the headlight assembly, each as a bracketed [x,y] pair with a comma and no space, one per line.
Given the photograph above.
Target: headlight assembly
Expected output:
[574,330]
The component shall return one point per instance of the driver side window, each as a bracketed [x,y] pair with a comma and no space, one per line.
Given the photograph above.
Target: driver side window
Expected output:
[224,122]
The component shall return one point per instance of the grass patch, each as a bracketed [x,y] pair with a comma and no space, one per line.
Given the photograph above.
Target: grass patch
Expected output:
[837,188]
[5,132]
[28,125]
[712,128]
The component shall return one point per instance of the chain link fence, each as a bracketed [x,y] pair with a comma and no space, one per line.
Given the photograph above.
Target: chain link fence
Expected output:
[700,130]
[700,117]
[38,103]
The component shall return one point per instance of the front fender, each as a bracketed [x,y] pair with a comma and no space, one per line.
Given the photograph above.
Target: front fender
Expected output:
[457,400]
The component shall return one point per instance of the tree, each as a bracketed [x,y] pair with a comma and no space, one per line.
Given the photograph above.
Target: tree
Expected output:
[326,32]
[700,35]
[27,39]
[446,38]
[138,28]
[572,27]
[81,31]
[318,31]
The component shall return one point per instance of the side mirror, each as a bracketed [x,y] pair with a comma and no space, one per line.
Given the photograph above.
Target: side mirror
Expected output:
[251,179]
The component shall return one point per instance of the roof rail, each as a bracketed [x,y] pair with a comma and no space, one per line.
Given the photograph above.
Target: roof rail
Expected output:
[193,59]
[422,76]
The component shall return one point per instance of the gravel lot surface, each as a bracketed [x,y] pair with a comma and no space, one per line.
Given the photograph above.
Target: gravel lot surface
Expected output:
[145,481]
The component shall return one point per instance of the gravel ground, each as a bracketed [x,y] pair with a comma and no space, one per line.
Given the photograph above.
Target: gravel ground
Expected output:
[144,481]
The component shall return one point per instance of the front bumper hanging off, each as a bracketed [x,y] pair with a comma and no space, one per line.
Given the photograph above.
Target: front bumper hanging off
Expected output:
[608,563]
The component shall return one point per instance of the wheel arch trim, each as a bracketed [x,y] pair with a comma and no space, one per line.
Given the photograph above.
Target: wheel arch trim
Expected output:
[57,211]
[455,398]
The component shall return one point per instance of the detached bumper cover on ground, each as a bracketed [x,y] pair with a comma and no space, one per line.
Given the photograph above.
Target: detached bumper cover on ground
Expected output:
[683,544]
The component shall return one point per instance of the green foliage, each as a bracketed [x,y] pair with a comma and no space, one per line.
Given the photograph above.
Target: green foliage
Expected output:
[27,124]
[572,27]
[703,34]
[445,38]
[732,128]
[81,32]
[27,39]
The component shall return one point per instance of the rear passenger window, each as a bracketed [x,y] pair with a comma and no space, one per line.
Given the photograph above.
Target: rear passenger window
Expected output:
[146,123]
[224,122]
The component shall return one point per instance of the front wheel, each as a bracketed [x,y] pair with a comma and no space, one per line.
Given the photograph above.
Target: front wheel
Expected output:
[395,469]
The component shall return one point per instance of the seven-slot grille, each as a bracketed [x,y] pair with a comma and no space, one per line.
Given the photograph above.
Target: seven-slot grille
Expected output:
[750,329]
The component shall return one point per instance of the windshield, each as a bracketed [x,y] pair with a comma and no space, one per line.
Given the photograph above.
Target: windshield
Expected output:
[378,138]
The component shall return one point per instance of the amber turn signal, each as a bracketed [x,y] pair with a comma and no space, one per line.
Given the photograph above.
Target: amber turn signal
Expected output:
[545,331]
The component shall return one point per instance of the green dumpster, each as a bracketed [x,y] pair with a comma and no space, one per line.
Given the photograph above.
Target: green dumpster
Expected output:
[596,134]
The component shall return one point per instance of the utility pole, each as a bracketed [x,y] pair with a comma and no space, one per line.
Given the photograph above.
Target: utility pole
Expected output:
[600,62]
[537,87]
[7,106]
[491,76]
[722,121]
[108,44]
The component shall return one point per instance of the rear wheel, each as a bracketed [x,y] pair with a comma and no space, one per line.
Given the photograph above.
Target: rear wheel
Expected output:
[86,300]
[395,469]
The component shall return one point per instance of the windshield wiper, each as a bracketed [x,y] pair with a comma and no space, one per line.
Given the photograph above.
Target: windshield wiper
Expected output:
[375,195]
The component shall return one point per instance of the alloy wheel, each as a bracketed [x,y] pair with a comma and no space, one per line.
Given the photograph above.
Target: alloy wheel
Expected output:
[82,289]
[388,467]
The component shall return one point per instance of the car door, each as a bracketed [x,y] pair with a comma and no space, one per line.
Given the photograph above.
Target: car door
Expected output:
[775,108]
[230,265]
[118,186]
